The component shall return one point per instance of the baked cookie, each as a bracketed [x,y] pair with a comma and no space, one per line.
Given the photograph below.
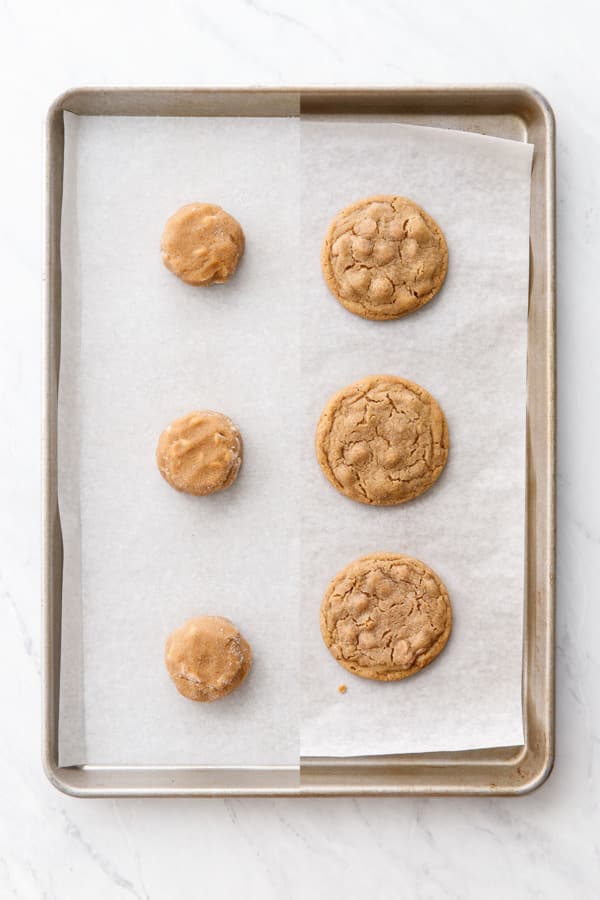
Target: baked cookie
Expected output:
[200,453]
[202,244]
[386,616]
[383,257]
[382,440]
[207,658]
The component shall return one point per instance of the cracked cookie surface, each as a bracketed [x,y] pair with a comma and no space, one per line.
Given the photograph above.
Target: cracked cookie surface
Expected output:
[382,440]
[386,616]
[384,257]
[207,658]
[202,244]
[200,453]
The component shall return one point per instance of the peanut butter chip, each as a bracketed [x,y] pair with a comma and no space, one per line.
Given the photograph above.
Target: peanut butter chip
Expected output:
[200,453]
[202,244]
[207,658]
[386,616]
[384,257]
[382,440]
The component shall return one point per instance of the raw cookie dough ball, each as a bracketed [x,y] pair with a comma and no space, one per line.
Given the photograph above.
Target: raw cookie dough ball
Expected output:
[386,616]
[207,658]
[382,440]
[200,453]
[384,257]
[202,244]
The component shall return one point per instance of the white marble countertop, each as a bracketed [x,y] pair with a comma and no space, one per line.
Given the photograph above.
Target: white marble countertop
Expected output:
[543,845]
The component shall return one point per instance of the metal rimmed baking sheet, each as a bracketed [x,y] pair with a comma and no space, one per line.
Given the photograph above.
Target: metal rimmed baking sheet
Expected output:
[508,112]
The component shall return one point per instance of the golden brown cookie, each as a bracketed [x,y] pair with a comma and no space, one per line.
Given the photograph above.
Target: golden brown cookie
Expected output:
[386,616]
[384,257]
[382,440]
[200,453]
[207,658]
[202,244]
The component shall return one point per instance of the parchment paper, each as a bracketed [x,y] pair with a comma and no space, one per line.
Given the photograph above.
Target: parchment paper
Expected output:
[468,348]
[140,348]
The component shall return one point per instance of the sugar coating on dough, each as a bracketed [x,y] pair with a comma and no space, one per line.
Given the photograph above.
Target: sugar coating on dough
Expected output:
[384,257]
[382,440]
[386,616]
[207,658]
[200,453]
[202,244]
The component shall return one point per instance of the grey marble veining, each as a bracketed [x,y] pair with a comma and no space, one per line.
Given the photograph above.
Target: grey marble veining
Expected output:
[541,846]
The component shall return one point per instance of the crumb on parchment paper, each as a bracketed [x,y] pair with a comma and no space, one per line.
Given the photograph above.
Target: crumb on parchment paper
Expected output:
[342,689]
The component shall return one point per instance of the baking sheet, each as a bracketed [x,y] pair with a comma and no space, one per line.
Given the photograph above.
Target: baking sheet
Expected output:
[468,348]
[139,348]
